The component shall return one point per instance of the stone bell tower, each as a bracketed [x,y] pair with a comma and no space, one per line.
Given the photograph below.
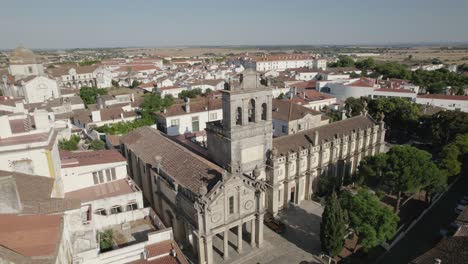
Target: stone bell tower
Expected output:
[241,141]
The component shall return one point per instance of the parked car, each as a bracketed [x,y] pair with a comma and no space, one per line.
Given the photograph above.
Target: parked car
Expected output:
[275,225]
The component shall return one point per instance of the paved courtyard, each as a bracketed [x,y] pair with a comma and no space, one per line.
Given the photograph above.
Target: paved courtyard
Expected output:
[299,244]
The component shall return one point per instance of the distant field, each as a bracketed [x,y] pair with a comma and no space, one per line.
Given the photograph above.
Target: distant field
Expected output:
[421,54]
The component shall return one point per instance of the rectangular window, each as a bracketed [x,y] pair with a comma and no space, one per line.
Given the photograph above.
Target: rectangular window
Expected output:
[101,177]
[195,124]
[116,209]
[95,178]
[132,206]
[108,175]
[284,129]
[231,205]
[175,122]
[279,195]
[113,174]
[213,116]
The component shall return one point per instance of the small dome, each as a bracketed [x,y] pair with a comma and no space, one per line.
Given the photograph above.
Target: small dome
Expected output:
[22,54]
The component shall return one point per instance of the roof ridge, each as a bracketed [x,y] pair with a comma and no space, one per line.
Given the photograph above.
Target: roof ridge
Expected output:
[201,159]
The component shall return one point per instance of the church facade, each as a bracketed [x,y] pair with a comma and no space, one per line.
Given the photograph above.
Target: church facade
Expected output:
[226,189]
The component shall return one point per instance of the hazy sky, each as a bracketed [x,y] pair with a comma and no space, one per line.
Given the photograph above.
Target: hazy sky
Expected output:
[111,23]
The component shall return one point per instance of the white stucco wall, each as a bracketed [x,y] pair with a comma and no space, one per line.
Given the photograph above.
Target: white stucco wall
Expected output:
[79,177]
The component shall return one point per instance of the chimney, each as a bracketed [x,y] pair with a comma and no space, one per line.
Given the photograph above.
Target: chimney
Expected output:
[41,119]
[157,162]
[5,132]
[133,97]
[99,102]
[96,115]
[187,105]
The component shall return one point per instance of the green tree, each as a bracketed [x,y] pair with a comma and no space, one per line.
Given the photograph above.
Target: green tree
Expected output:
[407,170]
[71,144]
[366,64]
[154,103]
[135,84]
[343,61]
[449,163]
[106,239]
[443,127]
[97,144]
[401,116]
[332,227]
[373,222]
[190,93]
[355,106]
[89,94]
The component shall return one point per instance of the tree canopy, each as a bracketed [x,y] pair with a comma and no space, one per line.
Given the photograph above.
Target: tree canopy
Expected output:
[401,116]
[97,144]
[71,144]
[152,103]
[89,94]
[403,170]
[332,227]
[373,222]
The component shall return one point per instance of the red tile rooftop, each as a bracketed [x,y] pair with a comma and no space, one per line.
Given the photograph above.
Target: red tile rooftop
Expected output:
[101,191]
[31,235]
[26,139]
[72,159]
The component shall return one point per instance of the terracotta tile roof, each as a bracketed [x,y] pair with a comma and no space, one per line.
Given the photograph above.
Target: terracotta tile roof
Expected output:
[35,194]
[304,85]
[31,235]
[313,95]
[363,82]
[147,85]
[17,125]
[326,132]
[462,218]
[184,166]
[101,191]
[287,111]
[453,250]
[195,107]
[32,138]
[462,231]
[137,68]
[63,70]
[161,249]
[281,57]
[444,97]
[394,90]
[70,159]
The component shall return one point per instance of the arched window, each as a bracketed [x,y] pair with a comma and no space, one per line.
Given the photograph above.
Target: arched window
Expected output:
[252,110]
[264,111]
[239,116]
